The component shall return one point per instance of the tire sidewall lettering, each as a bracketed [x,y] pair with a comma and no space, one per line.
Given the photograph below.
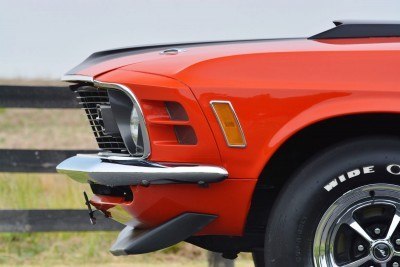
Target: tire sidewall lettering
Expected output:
[392,169]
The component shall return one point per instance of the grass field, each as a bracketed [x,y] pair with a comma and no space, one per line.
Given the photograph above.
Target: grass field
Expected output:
[50,129]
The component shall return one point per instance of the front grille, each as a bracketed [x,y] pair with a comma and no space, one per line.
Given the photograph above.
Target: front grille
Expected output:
[91,98]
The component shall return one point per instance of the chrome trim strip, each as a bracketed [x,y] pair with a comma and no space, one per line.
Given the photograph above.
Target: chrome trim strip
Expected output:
[236,119]
[143,126]
[91,168]
[126,90]
[77,78]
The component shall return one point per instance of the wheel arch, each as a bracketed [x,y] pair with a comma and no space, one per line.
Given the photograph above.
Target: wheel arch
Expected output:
[303,144]
[294,152]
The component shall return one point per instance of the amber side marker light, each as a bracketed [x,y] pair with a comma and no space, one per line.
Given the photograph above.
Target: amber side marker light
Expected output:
[229,123]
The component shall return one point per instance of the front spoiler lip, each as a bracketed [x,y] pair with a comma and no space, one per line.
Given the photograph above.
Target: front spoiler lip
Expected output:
[93,168]
[133,241]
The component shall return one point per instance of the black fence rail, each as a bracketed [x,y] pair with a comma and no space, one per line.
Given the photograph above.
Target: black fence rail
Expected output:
[36,97]
[27,221]
[42,161]
[33,160]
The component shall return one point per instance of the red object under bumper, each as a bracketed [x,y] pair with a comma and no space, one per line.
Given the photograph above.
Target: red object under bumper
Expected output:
[156,204]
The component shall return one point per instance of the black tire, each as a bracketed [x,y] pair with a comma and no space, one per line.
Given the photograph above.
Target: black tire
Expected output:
[258,258]
[303,201]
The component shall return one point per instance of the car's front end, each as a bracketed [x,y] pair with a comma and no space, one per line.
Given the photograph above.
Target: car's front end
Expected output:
[250,146]
[159,170]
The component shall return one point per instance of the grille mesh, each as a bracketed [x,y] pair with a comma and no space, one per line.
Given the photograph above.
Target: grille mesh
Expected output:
[90,98]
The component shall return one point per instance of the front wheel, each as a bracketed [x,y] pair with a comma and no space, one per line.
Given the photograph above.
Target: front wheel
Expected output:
[340,209]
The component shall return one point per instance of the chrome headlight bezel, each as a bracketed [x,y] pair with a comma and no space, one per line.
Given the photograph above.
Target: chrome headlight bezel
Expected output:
[124,123]
[135,125]
[135,136]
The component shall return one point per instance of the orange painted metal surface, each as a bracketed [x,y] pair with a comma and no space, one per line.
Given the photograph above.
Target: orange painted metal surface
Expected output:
[151,90]
[157,204]
[276,87]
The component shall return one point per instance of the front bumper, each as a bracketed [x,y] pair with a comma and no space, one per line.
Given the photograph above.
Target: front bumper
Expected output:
[92,168]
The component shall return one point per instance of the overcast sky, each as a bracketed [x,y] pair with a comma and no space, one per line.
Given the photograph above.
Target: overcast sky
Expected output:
[45,38]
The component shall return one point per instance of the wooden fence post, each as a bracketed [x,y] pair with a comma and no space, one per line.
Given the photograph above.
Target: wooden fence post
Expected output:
[216,260]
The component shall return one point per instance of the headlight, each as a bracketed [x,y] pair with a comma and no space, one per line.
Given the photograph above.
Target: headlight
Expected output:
[135,125]
[130,122]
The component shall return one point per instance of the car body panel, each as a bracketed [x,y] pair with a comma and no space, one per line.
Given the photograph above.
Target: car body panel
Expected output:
[157,204]
[263,78]
[170,65]
[276,87]
[151,90]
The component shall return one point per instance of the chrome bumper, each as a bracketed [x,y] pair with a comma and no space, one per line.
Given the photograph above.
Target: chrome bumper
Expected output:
[92,168]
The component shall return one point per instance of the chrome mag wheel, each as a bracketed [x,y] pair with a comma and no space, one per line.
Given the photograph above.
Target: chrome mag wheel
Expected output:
[361,228]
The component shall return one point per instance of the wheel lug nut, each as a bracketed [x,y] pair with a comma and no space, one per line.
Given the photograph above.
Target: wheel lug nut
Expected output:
[395,264]
[360,248]
[377,231]
[398,241]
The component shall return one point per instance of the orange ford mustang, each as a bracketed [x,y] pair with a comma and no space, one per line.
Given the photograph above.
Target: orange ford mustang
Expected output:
[287,148]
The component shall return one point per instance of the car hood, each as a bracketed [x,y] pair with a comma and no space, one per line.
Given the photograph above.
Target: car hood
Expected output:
[139,58]
[151,59]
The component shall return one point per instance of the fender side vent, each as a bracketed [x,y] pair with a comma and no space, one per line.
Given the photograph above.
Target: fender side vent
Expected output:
[185,135]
